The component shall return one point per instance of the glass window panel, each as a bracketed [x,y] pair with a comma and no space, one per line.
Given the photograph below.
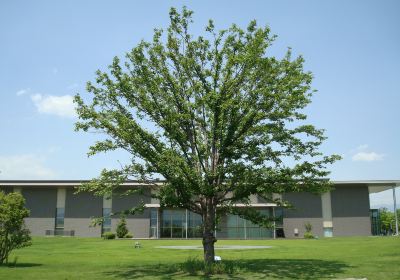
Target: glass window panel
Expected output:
[241,222]
[253,232]
[266,233]
[240,232]
[153,214]
[177,232]
[328,232]
[106,226]
[106,212]
[166,232]
[153,217]
[59,218]
[177,220]
[232,232]
[60,212]
[232,220]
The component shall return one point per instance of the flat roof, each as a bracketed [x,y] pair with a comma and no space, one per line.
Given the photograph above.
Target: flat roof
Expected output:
[66,183]
[370,183]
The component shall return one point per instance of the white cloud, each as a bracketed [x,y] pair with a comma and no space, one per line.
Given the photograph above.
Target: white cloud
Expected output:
[62,106]
[23,91]
[362,153]
[367,156]
[25,166]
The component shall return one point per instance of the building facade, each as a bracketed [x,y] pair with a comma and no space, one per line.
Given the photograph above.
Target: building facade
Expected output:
[55,209]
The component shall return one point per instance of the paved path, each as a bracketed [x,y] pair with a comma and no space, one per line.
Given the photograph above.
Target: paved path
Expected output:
[224,247]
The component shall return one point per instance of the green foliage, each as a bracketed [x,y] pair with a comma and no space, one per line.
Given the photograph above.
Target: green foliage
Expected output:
[387,221]
[308,235]
[122,230]
[193,266]
[128,235]
[109,235]
[215,116]
[308,227]
[13,234]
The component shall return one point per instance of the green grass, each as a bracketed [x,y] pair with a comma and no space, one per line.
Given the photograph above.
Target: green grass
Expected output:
[94,258]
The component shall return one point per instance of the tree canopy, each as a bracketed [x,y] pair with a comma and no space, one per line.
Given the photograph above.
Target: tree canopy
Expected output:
[13,234]
[214,115]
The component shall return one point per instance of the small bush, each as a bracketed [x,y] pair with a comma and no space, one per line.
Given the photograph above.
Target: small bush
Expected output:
[308,235]
[108,235]
[122,230]
[308,227]
[128,235]
[193,266]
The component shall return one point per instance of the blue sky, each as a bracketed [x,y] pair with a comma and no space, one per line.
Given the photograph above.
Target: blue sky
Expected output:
[50,49]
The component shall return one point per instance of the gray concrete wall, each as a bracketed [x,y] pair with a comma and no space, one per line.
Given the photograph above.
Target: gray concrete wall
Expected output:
[79,210]
[350,201]
[6,189]
[38,226]
[138,224]
[82,228]
[139,227]
[122,202]
[306,205]
[307,209]
[289,224]
[41,202]
[350,210]
[82,205]
[351,226]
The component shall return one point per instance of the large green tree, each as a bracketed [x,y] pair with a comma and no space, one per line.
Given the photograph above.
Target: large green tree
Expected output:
[214,115]
[13,234]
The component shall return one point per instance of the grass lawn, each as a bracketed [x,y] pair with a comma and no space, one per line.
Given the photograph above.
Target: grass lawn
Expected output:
[94,258]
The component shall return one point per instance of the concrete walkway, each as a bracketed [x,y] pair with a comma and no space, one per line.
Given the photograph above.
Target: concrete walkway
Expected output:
[224,247]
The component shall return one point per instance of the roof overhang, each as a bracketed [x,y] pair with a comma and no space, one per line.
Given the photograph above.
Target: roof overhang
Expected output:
[374,186]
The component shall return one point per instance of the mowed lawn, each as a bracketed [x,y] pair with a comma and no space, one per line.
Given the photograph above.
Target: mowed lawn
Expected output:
[94,258]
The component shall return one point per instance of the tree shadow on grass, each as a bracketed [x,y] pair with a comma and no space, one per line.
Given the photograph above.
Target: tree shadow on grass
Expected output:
[20,265]
[242,269]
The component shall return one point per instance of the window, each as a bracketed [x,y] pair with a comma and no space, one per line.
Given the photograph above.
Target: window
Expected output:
[153,222]
[237,227]
[194,225]
[278,212]
[179,223]
[328,232]
[60,218]
[106,226]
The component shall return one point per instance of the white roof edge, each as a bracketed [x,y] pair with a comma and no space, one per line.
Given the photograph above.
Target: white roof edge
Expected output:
[72,184]
[369,182]
[157,205]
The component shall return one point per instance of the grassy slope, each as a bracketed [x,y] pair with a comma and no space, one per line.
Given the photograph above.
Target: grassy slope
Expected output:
[91,258]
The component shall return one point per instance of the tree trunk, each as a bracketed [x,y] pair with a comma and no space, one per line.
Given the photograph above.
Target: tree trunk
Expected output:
[208,234]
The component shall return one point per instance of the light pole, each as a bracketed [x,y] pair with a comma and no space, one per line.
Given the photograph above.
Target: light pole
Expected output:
[395,211]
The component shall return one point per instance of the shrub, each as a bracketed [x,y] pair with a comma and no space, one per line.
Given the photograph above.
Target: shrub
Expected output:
[122,230]
[308,227]
[193,266]
[108,235]
[128,235]
[308,235]
[13,234]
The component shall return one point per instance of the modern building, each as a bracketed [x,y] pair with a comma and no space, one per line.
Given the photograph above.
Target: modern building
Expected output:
[55,209]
